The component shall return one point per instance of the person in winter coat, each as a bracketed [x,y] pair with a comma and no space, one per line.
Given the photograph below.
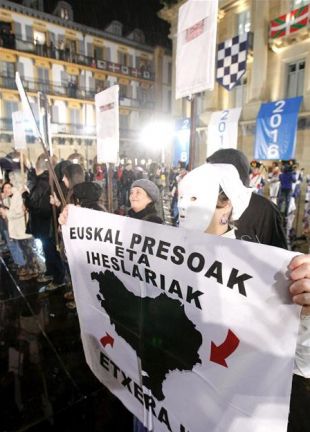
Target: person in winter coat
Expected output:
[143,196]
[16,217]
[13,245]
[261,222]
[211,198]
[37,202]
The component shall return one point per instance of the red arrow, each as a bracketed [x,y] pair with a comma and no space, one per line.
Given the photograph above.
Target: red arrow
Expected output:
[221,352]
[107,340]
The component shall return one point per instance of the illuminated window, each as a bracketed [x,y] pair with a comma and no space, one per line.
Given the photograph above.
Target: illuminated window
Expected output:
[295,79]
[244,21]
[39,37]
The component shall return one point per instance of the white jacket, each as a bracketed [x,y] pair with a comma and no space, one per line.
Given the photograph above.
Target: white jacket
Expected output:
[16,216]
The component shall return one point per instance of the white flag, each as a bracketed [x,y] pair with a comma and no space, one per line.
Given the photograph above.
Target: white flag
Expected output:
[223,130]
[107,124]
[19,130]
[195,57]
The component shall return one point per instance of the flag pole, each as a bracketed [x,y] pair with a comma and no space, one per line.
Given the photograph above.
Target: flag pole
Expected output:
[25,100]
[192,141]
[110,186]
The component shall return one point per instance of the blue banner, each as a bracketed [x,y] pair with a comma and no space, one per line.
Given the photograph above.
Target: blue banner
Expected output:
[276,126]
[181,141]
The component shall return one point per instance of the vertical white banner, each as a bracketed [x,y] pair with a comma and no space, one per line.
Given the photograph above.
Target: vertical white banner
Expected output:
[107,125]
[19,130]
[195,56]
[27,111]
[223,130]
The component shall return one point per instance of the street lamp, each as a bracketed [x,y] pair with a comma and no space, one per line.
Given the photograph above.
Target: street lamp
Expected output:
[157,134]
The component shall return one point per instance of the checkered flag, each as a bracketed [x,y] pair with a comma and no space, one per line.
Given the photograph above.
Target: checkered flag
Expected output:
[231,60]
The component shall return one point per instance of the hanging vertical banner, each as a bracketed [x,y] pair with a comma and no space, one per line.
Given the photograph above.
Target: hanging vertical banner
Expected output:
[107,125]
[276,126]
[196,40]
[181,141]
[223,130]
[19,130]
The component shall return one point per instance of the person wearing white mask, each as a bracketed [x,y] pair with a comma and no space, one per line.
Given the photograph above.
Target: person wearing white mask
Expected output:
[211,197]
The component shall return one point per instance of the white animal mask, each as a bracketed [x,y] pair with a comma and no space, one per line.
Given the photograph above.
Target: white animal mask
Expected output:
[199,190]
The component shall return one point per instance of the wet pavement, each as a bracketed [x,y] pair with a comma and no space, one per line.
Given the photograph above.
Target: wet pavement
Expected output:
[45,383]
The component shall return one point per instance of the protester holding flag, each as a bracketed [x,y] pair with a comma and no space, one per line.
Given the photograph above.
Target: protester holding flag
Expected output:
[37,202]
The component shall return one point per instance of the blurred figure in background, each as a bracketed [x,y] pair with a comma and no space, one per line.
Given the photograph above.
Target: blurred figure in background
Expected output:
[274,182]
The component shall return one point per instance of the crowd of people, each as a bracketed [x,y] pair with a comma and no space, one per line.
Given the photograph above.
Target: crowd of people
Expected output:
[221,197]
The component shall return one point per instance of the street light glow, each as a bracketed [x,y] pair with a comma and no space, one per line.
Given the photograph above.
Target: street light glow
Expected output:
[157,134]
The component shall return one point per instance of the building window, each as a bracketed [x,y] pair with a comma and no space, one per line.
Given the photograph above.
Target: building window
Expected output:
[244,21]
[123,58]
[169,73]
[7,69]
[43,79]
[124,121]
[74,116]
[295,79]
[64,13]
[9,108]
[240,92]
[39,37]
[98,53]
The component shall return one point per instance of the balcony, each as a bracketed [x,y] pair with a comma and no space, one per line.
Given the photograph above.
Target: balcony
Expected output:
[290,28]
[65,90]
[52,89]
[67,55]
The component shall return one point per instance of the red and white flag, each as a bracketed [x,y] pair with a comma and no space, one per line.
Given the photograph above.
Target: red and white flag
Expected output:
[289,23]
[195,57]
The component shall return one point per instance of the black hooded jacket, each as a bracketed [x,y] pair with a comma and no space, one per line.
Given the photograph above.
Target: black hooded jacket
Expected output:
[37,202]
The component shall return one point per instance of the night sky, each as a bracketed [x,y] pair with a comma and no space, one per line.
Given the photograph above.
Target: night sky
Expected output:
[131,13]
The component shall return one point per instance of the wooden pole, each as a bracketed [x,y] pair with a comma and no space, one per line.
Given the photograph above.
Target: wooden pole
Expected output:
[192,141]
[110,186]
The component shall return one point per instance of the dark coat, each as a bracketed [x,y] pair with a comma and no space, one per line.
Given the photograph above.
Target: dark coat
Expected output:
[149,213]
[39,208]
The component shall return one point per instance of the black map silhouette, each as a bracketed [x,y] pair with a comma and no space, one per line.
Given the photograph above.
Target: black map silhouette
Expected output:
[156,328]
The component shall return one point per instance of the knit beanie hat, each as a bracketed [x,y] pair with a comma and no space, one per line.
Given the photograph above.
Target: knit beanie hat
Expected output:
[149,187]
[233,157]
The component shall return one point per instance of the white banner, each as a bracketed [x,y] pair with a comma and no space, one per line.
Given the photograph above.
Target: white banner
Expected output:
[27,111]
[191,332]
[107,125]
[195,56]
[223,130]
[19,130]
